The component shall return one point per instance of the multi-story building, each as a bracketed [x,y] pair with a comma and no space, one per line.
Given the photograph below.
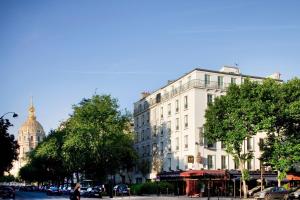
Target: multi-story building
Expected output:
[168,124]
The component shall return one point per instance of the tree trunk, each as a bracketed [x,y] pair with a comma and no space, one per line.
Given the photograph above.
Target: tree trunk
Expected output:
[242,168]
[278,178]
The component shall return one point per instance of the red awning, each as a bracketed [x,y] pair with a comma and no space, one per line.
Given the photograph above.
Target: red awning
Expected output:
[293,177]
[193,173]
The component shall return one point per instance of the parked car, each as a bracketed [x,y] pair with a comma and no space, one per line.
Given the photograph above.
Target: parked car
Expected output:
[53,191]
[253,190]
[7,192]
[94,192]
[272,193]
[121,189]
[83,191]
[295,194]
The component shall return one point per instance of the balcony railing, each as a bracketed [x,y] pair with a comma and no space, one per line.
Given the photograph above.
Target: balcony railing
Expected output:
[196,83]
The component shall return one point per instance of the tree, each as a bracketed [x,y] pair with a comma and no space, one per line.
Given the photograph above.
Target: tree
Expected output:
[46,161]
[282,146]
[98,140]
[144,167]
[8,147]
[232,119]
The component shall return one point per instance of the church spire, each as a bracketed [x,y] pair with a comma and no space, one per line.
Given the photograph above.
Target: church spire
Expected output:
[31,110]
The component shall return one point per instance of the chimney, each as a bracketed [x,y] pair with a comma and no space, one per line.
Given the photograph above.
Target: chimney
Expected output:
[144,94]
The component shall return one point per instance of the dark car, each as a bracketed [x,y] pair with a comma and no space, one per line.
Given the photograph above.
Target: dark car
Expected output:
[7,192]
[53,191]
[121,189]
[272,193]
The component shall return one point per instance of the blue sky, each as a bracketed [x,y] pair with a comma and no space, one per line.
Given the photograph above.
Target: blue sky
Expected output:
[62,51]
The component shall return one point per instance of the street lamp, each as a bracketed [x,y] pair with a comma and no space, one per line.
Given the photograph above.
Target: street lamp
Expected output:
[14,114]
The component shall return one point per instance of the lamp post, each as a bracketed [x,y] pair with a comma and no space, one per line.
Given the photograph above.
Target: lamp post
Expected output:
[14,114]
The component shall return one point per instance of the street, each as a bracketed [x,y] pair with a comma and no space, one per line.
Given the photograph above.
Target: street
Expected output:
[43,196]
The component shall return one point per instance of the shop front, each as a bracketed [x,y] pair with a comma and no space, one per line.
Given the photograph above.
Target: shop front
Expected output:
[198,182]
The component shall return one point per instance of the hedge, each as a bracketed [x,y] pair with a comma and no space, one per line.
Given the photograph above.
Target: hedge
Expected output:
[152,188]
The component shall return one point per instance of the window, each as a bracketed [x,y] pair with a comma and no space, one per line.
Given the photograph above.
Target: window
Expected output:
[201,139]
[206,79]
[161,131]
[143,119]
[209,99]
[223,146]
[223,162]
[186,124]
[169,127]
[261,144]
[186,141]
[177,143]
[177,105]
[158,98]
[211,145]
[148,117]
[161,148]
[185,102]
[137,122]
[143,151]
[177,163]
[170,164]
[210,162]
[236,164]
[249,144]
[249,164]
[177,124]
[161,112]
[169,146]
[220,82]
[154,130]
[233,80]
[143,135]
[31,138]
[148,133]
[148,150]
[169,109]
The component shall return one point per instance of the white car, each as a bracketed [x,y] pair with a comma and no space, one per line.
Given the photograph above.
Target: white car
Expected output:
[295,195]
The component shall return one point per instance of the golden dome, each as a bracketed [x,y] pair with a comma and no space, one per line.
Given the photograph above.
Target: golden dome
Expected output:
[31,125]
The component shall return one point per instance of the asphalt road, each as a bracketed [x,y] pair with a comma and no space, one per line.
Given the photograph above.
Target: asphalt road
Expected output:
[43,196]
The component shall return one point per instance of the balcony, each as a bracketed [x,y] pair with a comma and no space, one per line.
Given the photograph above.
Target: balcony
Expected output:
[196,83]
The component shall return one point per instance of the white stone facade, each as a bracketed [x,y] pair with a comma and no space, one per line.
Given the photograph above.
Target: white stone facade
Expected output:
[168,124]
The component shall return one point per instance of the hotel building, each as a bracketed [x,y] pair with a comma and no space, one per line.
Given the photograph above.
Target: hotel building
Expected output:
[168,124]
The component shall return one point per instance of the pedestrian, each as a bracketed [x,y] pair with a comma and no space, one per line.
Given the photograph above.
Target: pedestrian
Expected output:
[76,194]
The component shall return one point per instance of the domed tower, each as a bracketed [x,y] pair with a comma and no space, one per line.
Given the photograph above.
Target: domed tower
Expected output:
[30,133]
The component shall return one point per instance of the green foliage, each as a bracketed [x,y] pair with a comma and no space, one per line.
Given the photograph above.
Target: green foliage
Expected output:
[281,149]
[95,141]
[98,139]
[8,147]
[161,187]
[144,167]
[234,117]
[8,178]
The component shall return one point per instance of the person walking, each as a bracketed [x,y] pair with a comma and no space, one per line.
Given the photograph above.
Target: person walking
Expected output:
[76,194]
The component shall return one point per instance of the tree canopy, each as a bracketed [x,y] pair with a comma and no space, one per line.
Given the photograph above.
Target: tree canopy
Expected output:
[95,141]
[8,147]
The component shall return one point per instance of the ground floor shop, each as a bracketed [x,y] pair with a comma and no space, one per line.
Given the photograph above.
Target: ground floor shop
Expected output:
[223,183]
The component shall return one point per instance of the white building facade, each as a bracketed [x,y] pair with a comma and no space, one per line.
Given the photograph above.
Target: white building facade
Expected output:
[168,124]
